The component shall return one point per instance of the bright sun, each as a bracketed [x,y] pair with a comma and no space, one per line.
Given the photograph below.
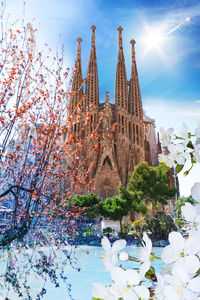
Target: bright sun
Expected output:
[153,40]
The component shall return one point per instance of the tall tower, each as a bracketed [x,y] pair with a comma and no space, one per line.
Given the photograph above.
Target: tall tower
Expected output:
[135,102]
[77,83]
[121,87]
[92,84]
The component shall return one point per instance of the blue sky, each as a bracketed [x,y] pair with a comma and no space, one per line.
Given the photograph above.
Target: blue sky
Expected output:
[169,72]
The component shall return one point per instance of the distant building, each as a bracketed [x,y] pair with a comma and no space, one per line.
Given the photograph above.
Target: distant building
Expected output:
[134,139]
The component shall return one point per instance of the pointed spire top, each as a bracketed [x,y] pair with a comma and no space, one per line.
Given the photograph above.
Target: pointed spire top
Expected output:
[93,27]
[107,97]
[133,42]
[120,29]
[79,40]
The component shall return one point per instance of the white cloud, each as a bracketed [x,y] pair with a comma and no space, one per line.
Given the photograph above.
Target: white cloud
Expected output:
[168,113]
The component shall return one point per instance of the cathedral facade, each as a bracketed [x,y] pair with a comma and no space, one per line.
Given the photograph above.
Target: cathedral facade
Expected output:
[134,139]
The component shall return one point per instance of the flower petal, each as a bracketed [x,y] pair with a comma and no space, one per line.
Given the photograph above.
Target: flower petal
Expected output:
[144,268]
[132,277]
[194,284]
[118,275]
[176,239]
[100,291]
[180,273]
[142,292]
[195,191]
[106,244]
[192,245]
[189,212]
[118,245]
[170,254]
[192,264]
[148,242]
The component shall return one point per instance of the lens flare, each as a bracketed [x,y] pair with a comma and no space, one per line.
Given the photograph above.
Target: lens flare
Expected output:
[179,25]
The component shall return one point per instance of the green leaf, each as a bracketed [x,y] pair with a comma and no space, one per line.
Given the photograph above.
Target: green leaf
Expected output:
[150,272]
[190,145]
[179,168]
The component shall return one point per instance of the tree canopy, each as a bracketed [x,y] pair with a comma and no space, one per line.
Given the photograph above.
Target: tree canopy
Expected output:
[148,185]
[115,208]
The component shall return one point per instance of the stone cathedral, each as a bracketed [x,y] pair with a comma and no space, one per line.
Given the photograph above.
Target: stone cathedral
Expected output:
[134,140]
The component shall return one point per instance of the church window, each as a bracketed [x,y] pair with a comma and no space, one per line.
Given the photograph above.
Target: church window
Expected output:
[107,161]
[129,129]
[133,133]
[137,129]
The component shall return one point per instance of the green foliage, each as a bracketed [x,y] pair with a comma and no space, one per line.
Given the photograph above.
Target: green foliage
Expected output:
[107,231]
[88,231]
[147,185]
[160,226]
[125,228]
[180,202]
[139,226]
[89,202]
[115,208]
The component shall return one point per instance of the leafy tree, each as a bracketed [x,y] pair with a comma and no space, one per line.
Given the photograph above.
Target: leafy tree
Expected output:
[180,202]
[147,185]
[115,208]
[89,204]
[160,226]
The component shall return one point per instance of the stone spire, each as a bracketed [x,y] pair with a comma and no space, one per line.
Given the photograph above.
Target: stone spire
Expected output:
[92,85]
[77,88]
[121,87]
[135,102]
[159,146]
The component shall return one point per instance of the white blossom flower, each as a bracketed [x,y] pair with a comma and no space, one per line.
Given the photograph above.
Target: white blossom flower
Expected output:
[166,159]
[165,136]
[196,152]
[195,191]
[192,215]
[197,132]
[102,292]
[110,257]
[189,212]
[126,285]
[180,285]
[177,153]
[184,133]
[145,253]
[179,247]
